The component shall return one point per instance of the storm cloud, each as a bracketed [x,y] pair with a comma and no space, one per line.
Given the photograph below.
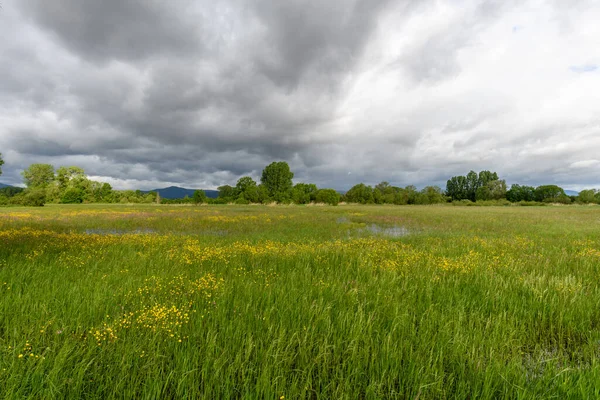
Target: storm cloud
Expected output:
[147,93]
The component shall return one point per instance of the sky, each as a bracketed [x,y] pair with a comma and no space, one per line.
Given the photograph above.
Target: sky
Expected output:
[145,94]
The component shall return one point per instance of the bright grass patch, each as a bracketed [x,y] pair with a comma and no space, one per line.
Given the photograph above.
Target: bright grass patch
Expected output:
[372,302]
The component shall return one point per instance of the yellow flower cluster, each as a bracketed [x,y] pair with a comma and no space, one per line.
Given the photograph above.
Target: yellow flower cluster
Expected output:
[162,306]
[28,353]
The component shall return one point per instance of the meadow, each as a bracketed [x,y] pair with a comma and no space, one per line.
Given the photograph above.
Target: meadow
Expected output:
[294,302]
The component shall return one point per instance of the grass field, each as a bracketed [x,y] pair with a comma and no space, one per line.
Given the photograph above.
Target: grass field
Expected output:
[345,302]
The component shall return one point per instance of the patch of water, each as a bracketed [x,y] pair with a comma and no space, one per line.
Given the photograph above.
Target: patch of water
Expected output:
[389,231]
[342,220]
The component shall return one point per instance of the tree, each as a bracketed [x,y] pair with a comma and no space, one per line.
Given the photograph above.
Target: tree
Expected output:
[34,198]
[360,193]
[456,188]
[38,176]
[492,190]
[199,197]
[384,193]
[67,175]
[304,193]
[1,163]
[72,196]
[587,196]
[485,177]
[263,194]
[550,193]
[226,192]
[246,189]
[327,196]
[277,178]
[520,193]
[472,185]
[432,195]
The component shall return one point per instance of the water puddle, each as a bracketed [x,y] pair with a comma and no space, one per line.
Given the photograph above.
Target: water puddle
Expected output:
[395,231]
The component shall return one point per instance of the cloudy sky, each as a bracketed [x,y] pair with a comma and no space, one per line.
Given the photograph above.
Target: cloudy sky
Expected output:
[147,93]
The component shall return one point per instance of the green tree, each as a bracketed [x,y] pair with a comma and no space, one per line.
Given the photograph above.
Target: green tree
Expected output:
[492,190]
[304,193]
[72,196]
[472,180]
[1,163]
[485,177]
[550,194]
[587,196]
[456,188]
[226,192]
[246,189]
[38,176]
[518,193]
[384,193]
[199,197]
[327,196]
[263,194]
[69,175]
[277,178]
[360,193]
[432,195]
[34,198]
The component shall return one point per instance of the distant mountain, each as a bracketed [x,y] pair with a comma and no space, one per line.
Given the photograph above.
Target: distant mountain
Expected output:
[571,193]
[2,185]
[176,192]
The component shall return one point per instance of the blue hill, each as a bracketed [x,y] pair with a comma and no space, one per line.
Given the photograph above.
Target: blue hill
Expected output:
[176,192]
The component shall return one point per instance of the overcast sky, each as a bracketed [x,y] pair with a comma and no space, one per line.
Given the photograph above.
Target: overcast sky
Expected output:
[145,93]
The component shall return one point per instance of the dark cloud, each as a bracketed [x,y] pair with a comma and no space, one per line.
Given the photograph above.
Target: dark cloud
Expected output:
[124,30]
[199,93]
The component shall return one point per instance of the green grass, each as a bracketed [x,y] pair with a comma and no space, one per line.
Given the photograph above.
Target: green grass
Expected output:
[101,302]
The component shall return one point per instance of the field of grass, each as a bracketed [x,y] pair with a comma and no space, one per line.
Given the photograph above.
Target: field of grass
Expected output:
[294,302]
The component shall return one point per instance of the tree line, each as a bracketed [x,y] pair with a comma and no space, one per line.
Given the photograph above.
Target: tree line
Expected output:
[70,185]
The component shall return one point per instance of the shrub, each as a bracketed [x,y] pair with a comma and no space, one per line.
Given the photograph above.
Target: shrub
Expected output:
[74,196]
[328,196]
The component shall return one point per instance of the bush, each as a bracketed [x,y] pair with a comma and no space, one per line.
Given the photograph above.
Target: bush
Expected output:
[464,202]
[530,203]
[34,198]
[327,196]
[74,196]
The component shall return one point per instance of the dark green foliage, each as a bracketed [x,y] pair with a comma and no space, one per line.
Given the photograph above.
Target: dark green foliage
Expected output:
[1,163]
[482,186]
[10,191]
[34,198]
[277,179]
[360,193]
[551,194]
[72,196]
[304,193]
[520,193]
[456,188]
[327,196]
[199,197]
[247,189]
[226,192]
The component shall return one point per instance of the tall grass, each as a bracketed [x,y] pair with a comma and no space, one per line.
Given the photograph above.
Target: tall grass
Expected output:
[299,302]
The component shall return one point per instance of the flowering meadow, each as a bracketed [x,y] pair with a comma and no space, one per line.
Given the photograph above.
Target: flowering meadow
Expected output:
[291,302]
